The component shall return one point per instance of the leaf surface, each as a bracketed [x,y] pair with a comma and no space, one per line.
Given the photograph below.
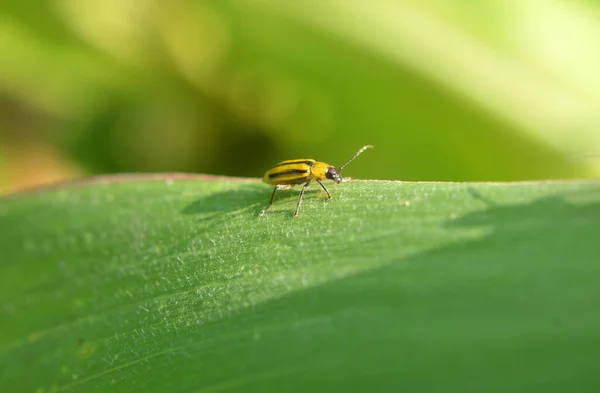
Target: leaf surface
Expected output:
[176,285]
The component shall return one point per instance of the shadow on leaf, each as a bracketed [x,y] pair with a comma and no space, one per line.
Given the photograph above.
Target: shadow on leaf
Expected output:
[223,206]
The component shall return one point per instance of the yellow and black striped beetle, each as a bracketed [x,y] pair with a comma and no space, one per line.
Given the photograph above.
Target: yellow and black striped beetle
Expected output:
[289,173]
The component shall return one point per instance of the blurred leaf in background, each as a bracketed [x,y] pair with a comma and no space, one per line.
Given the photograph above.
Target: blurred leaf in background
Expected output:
[461,90]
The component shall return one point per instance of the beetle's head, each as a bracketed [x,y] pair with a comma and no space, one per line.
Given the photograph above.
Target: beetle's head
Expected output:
[333,174]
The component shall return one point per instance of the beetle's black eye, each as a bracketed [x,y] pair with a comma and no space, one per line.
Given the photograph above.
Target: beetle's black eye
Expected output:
[332,174]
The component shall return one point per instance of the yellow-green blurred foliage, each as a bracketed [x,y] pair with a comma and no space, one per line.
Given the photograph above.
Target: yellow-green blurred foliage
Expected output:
[445,90]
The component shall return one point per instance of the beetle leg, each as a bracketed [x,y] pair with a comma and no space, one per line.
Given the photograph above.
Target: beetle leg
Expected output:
[300,197]
[325,188]
[278,187]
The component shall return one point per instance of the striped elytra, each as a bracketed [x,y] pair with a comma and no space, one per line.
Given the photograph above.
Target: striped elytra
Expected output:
[289,172]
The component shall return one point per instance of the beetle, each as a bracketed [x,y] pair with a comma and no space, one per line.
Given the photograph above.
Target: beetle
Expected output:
[289,173]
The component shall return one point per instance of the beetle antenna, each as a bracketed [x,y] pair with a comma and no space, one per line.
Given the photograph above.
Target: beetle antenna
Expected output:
[354,156]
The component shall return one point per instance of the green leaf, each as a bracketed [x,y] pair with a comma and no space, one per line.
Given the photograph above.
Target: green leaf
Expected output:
[175,285]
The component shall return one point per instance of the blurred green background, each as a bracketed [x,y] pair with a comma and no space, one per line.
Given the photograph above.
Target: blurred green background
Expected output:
[445,90]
